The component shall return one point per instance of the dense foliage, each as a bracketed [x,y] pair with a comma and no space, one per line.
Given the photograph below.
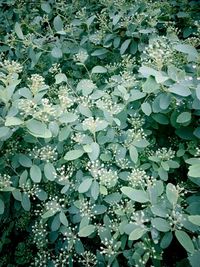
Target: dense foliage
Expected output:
[99,133]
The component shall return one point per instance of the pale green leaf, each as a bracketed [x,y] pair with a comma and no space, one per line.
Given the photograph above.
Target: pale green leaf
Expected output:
[161,224]
[99,69]
[85,185]
[13,121]
[137,233]
[150,86]
[57,23]
[18,31]
[146,108]
[194,171]
[35,174]
[135,194]
[56,52]
[49,171]
[172,193]
[185,240]
[124,46]
[133,153]
[87,230]
[38,129]
[184,117]
[73,154]
[195,219]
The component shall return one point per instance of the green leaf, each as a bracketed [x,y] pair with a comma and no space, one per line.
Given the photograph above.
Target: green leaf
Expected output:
[17,194]
[46,7]
[49,213]
[99,52]
[13,121]
[161,224]
[68,117]
[87,230]
[136,95]
[55,225]
[185,240]
[84,222]
[188,49]
[38,129]
[4,131]
[18,31]
[164,101]
[124,46]
[161,118]
[133,153]
[56,52]
[195,219]
[184,117]
[26,203]
[41,195]
[113,198]
[180,89]
[150,86]
[142,143]
[35,174]
[85,185]
[134,194]
[99,209]
[198,91]
[194,258]
[146,108]
[63,218]
[194,171]
[25,161]
[172,193]
[64,133]
[137,233]
[99,69]
[95,190]
[147,71]
[73,154]
[60,77]
[166,240]
[197,132]
[2,206]
[95,150]
[57,23]
[49,171]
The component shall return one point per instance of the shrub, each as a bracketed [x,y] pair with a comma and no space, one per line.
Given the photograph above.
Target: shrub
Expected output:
[99,133]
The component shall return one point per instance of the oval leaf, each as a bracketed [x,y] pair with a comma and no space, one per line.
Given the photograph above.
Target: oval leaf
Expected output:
[184,240]
[87,230]
[35,174]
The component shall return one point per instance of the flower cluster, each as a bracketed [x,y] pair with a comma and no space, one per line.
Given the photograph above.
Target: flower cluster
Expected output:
[134,135]
[66,101]
[5,181]
[40,234]
[164,154]
[27,107]
[11,67]
[88,259]
[158,53]
[46,153]
[37,83]
[139,179]
[106,177]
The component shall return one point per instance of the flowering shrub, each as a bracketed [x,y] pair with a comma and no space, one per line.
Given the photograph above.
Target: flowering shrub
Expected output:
[99,133]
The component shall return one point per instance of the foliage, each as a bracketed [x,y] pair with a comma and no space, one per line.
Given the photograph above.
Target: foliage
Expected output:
[99,133]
